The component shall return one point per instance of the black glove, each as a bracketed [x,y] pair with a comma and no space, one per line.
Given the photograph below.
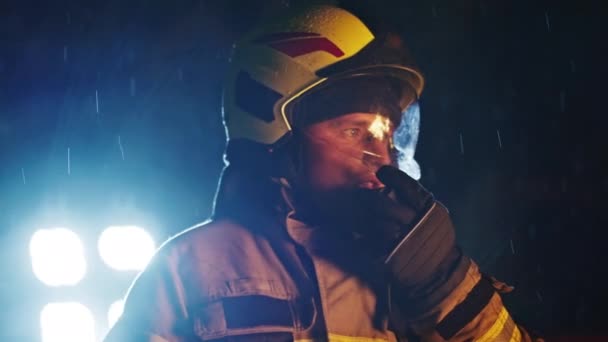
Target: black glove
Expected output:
[401,225]
[405,229]
[426,244]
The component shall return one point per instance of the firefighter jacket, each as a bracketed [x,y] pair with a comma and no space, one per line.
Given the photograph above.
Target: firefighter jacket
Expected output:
[258,277]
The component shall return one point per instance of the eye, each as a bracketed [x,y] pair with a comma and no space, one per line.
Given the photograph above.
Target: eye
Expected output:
[351,132]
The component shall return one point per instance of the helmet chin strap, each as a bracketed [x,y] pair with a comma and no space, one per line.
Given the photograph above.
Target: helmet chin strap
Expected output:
[292,178]
[290,160]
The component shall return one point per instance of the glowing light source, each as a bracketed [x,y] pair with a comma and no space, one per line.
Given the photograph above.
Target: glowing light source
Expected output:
[115,311]
[67,322]
[380,127]
[126,248]
[57,257]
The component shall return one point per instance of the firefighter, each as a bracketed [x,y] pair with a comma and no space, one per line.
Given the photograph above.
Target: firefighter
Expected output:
[317,232]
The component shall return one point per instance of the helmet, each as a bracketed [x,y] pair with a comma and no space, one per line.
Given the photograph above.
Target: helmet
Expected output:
[274,66]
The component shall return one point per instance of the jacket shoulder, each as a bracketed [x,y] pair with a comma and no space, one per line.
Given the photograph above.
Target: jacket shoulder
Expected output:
[207,237]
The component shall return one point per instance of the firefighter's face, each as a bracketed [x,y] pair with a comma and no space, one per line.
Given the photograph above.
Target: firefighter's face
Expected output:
[345,152]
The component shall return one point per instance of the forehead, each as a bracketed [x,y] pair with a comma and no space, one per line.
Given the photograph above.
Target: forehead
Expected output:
[379,126]
[358,119]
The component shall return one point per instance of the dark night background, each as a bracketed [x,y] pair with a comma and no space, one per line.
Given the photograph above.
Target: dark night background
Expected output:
[512,137]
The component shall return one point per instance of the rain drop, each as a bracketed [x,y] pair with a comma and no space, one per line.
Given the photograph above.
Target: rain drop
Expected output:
[499,140]
[540,298]
[512,246]
[132,86]
[65,53]
[69,166]
[97,101]
[461,144]
[180,74]
[434,11]
[23,175]
[122,151]
[547,21]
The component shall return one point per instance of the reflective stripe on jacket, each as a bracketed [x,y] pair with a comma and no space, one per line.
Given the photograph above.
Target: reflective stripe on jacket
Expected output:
[221,280]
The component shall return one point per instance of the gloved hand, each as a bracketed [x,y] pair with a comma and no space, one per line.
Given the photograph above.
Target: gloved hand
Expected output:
[394,219]
[425,244]
[400,225]
[405,228]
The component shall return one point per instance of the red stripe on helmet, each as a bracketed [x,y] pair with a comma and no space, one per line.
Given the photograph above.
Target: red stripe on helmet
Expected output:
[299,47]
[284,36]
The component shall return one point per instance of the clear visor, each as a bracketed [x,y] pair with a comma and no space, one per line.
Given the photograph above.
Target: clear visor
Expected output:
[405,139]
[369,141]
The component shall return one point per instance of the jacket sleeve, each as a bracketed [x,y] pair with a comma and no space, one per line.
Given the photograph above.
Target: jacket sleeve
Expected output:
[471,311]
[441,292]
[154,305]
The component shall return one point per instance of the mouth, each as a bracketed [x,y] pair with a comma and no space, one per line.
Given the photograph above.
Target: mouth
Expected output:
[371,184]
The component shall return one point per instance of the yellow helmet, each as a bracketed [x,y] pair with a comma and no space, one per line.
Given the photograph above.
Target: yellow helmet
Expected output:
[282,61]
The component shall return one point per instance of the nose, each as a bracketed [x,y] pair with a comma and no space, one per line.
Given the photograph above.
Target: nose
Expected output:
[375,160]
